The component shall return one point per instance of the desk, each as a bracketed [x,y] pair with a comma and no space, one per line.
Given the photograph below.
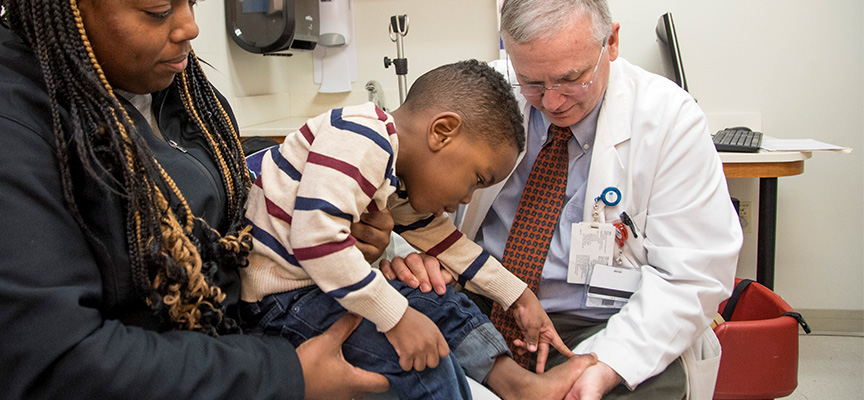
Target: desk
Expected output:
[767,166]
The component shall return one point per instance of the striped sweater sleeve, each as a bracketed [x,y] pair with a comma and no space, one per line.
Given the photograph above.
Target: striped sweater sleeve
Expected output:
[473,267]
[348,168]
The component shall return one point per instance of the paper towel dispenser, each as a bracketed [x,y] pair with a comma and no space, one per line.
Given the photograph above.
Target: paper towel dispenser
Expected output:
[273,26]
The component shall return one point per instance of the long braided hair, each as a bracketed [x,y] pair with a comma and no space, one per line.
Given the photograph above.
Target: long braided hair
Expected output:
[172,269]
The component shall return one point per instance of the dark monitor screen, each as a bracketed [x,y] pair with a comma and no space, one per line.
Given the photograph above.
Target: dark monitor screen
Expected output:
[671,55]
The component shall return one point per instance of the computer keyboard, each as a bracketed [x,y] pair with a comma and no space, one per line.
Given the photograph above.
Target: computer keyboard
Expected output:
[739,140]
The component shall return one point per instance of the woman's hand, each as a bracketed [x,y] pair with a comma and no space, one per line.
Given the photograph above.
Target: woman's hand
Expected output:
[373,234]
[326,373]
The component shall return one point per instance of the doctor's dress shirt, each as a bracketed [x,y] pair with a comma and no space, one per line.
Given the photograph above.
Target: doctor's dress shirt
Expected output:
[555,294]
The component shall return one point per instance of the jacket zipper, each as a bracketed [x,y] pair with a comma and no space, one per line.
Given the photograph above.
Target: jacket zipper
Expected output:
[177,146]
[213,180]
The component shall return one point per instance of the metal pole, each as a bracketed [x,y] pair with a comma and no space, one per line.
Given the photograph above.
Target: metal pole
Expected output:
[400,55]
[398,29]
[767,235]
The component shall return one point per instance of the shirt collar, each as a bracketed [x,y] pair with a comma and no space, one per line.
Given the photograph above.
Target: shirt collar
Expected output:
[144,104]
[583,131]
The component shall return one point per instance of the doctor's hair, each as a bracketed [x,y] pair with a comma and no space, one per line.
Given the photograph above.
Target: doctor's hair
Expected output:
[527,20]
[172,270]
[479,94]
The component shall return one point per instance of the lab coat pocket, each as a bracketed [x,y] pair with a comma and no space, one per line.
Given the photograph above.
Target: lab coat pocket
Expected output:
[639,220]
[635,255]
[701,363]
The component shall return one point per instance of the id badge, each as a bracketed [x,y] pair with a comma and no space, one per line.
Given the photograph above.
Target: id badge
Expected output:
[611,287]
[590,243]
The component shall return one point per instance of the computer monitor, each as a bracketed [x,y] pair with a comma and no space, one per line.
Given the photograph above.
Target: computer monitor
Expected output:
[671,55]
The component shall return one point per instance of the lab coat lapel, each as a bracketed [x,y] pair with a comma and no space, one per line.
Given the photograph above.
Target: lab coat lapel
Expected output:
[610,144]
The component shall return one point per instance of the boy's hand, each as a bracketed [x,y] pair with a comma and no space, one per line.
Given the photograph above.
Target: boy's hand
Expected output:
[373,234]
[417,341]
[537,329]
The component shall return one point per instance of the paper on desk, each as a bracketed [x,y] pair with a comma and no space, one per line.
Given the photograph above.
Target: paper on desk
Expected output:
[772,144]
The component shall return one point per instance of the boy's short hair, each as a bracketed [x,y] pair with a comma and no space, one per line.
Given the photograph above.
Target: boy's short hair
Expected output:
[479,94]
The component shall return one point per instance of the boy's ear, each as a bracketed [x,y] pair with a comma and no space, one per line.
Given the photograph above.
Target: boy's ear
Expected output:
[444,127]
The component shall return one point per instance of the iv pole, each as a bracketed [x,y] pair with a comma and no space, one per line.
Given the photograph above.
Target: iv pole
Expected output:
[398,29]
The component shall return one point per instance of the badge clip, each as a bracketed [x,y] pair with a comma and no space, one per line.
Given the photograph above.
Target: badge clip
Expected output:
[610,196]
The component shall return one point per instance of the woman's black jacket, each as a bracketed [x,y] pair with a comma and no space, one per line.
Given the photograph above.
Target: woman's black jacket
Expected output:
[71,326]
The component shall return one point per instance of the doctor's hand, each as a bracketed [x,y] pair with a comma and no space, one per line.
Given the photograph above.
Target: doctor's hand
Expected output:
[537,329]
[418,270]
[372,234]
[321,360]
[595,382]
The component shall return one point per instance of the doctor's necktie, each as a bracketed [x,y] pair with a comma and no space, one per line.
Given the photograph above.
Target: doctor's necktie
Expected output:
[531,232]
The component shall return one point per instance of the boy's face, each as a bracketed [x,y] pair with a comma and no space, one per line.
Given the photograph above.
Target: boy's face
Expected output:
[449,178]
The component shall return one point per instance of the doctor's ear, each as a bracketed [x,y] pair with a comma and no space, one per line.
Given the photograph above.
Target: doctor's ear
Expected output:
[444,127]
[613,42]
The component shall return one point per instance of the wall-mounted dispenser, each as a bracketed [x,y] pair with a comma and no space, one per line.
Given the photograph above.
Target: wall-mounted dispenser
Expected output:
[335,57]
[273,26]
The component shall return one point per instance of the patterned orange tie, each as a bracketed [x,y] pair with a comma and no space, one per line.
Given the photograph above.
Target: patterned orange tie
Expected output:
[531,232]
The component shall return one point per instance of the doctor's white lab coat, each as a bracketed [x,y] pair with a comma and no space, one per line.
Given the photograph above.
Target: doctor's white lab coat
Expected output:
[653,144]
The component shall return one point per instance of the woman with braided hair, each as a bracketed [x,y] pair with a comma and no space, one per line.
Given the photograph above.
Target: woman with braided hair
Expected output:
[123,190]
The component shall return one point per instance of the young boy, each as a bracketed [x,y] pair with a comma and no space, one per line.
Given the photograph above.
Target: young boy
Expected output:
[459,129]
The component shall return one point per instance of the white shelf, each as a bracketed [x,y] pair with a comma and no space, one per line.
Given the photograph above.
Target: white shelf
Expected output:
[280,127]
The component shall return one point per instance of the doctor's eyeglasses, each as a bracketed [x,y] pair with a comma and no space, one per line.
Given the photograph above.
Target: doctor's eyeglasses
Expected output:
[572,89]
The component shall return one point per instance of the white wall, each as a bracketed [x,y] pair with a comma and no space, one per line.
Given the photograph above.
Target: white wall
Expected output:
[440,32]
[801,66]
[797,64]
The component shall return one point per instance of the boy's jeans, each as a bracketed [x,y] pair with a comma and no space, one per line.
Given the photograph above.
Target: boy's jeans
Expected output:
[474,343]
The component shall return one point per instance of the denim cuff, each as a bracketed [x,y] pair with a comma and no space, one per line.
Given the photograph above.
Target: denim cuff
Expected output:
[479,349]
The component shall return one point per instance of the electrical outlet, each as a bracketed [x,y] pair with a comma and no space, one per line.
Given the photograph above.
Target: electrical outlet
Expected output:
[745,216]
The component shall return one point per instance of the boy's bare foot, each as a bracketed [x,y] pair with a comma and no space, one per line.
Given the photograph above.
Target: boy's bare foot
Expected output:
[510,381]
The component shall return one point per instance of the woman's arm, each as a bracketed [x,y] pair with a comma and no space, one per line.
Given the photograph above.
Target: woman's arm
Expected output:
[54,340]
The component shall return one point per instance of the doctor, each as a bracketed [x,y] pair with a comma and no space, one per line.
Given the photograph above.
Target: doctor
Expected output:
[642,135]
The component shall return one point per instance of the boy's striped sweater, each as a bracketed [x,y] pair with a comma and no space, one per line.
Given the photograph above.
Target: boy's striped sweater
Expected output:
[319,181]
